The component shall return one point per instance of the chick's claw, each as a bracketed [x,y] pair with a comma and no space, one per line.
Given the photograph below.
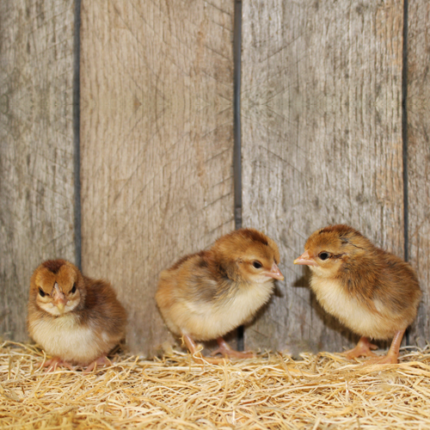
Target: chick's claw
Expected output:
[392,356]
[196,354]
[53,363]
[362,349]
[200,359]
[226,351]
[386,359]
[100,362]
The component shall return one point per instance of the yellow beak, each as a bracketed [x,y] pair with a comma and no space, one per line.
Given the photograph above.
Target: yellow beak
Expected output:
[275,273]
[305,259]
[60,306]
[59,298]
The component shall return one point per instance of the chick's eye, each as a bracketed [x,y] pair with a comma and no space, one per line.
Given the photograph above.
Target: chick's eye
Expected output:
[323,255]
[41,292]
[257,264]
[72,291]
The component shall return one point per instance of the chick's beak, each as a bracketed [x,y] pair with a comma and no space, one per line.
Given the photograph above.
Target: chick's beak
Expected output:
[305,259]
[59,298]
[275,273]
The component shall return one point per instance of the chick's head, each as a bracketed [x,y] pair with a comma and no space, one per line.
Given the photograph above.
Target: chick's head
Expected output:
[249,256]
[329,249]
[57,287]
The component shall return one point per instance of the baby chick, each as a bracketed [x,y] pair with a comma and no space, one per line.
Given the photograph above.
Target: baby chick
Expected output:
[371,291]
[205,295]
[76,319]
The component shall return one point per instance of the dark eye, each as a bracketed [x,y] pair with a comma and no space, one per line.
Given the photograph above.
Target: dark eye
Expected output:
[72,291]
[257,264]
[42,293]
[323,255]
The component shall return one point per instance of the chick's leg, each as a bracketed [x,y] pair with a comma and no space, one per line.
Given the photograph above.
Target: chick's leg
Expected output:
[227,351]
[392,356]
[195,353]
[362,349]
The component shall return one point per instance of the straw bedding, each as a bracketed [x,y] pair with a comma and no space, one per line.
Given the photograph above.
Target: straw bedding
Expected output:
[270,392]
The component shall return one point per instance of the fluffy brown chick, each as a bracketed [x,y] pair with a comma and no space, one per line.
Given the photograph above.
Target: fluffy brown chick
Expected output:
[75,319]
[205,295]
[371,291]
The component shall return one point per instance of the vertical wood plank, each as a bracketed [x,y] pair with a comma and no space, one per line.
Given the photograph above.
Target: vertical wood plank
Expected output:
[322,143]
[36,147]
[156,144]
[418,142]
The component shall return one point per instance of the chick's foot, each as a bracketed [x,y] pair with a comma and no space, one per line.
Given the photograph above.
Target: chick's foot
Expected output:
[393,354]
[362,349]
[100,362]
[385,359]
[226,351]
[53,363]
[196,354]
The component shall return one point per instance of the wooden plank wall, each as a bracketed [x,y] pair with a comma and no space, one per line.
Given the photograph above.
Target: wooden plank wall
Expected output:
[36,147]
[156,144]
[321,136]
[322,142]
[418,142]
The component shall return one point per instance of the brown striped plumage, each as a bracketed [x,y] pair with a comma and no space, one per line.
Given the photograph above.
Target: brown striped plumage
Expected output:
[371,291]
[76,319]
[205,295]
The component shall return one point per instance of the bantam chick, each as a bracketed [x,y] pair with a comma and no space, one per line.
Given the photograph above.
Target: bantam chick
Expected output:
[371,291]
[75,319]
[205,295]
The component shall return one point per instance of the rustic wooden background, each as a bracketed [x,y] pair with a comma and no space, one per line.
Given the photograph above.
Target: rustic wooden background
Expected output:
[37,193]
[322,141]
[156,143]
[325,139]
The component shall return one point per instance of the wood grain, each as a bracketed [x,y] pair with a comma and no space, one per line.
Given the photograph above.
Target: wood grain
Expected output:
[156,144]
[322,143]
[418,143]
[36,147]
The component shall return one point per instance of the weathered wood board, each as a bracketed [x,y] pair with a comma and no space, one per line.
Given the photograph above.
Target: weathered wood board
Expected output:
[418,143]
[322,142]
[36,147]
[156,144]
